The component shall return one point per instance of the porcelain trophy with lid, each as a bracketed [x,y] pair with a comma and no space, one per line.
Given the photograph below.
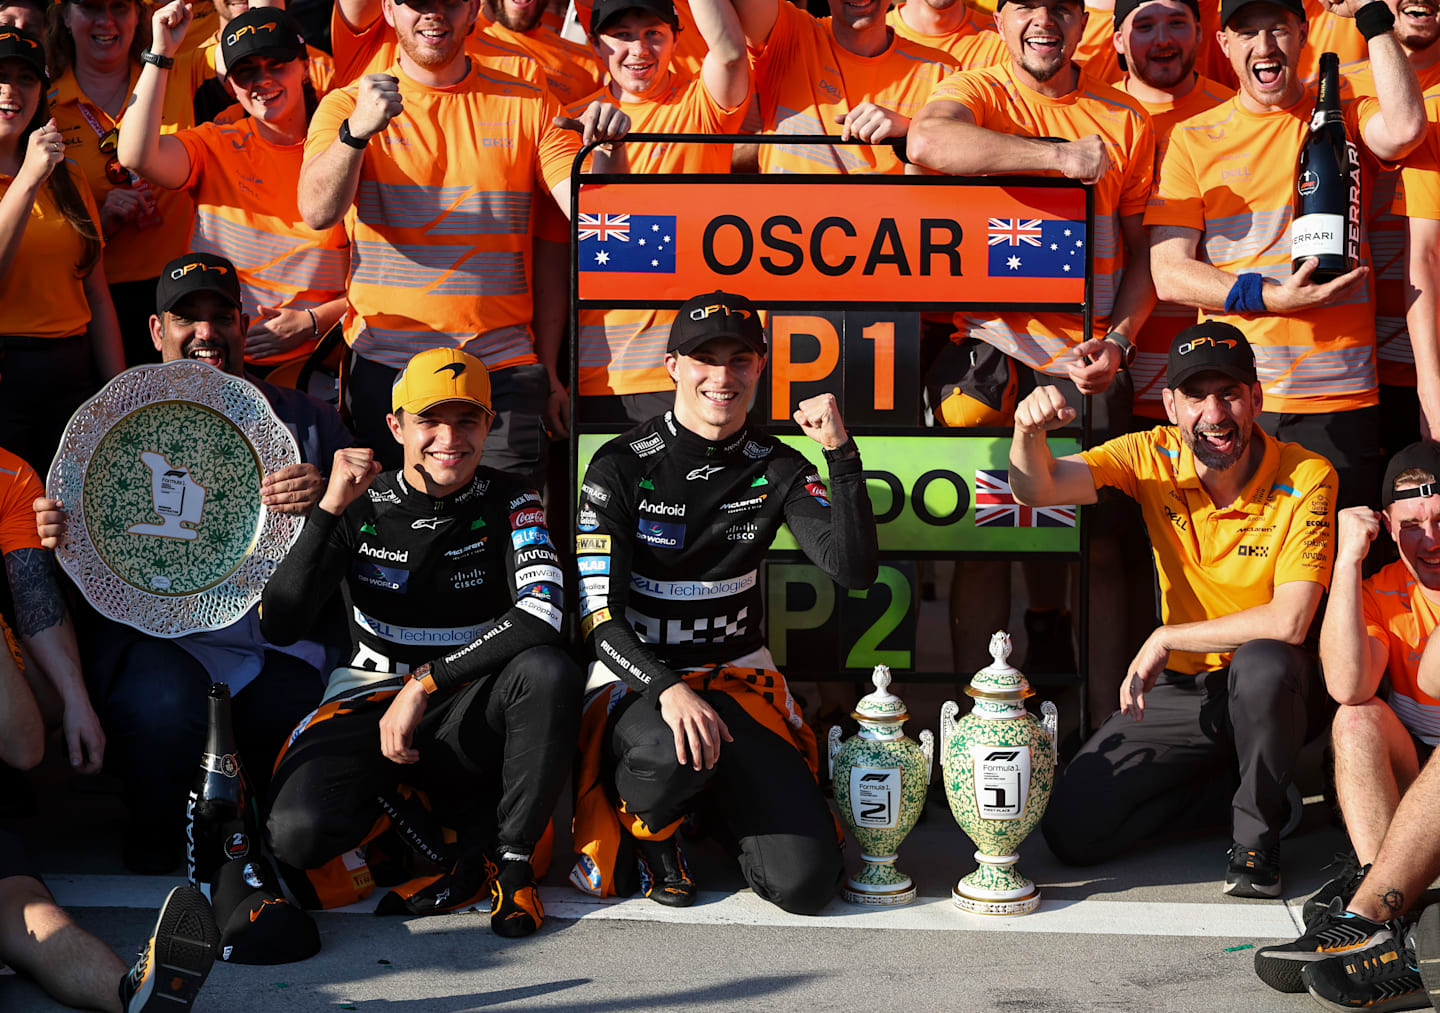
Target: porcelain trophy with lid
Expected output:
[880,777]
[998,762]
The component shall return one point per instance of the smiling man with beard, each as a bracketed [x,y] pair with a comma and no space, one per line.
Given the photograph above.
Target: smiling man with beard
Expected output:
[151,692]
[1240,525]
[1220,218]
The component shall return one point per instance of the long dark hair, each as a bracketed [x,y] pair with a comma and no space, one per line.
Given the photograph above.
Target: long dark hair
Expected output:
[65,193]
[60,43]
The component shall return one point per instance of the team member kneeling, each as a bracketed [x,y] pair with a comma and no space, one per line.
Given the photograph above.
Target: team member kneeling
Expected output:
[687,711]
[455,608]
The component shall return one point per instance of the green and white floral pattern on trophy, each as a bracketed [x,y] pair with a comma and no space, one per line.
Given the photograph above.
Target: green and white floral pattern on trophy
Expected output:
[160,473]
[998,762]
[880,777]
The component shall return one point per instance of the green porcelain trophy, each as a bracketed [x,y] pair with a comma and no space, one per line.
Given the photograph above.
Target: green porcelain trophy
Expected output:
[880,777]
[998,762]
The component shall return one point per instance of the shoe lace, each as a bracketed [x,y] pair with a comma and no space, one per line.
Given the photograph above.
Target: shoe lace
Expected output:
[1262,856]
[1369,965]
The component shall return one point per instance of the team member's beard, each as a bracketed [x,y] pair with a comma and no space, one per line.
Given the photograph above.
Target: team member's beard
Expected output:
[1165,75]
[427,57]
[1209,455]
[517,21]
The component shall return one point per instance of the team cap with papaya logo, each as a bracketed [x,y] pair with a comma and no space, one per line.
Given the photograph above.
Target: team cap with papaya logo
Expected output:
[22,46]
[261,31]
[1211,346]
[441,374]
[719,314]
[196,272]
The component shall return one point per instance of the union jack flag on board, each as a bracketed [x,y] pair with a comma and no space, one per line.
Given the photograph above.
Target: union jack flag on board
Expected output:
[605,227]
[995,506]
[1014,231]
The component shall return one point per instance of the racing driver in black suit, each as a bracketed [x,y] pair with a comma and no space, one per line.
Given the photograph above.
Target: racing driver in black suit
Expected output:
[455,601]
[686,712]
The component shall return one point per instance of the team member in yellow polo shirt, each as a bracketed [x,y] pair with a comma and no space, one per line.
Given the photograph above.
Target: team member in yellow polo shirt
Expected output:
[1241,527]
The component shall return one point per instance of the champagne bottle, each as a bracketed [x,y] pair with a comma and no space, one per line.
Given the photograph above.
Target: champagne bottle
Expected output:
[1325,213]
[215,823]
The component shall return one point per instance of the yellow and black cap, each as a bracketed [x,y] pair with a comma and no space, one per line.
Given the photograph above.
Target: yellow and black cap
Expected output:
[441,374]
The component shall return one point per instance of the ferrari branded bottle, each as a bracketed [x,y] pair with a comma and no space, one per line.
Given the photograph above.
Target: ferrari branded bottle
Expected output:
[1325,222]
[216,829]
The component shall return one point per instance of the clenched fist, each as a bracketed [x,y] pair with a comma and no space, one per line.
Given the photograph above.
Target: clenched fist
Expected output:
[377,102]
[1043,409]
[355,468]
[819,418]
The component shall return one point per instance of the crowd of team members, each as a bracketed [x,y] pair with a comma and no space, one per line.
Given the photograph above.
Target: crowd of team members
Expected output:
[181,182]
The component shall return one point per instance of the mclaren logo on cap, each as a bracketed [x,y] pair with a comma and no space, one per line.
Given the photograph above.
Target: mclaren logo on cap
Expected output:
[1191,346]
[240,33]
[705,312]
[181,272]
[455,368]
[17,37]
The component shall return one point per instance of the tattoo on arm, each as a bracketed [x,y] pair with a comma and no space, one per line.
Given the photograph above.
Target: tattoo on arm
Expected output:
[38,602]
[1394,901]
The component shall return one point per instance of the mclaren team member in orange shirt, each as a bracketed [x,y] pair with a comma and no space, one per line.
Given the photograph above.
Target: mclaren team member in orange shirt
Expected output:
[987,121]
[1220,222]
[432,265]
[951,26]
[1241,527]
[622,352]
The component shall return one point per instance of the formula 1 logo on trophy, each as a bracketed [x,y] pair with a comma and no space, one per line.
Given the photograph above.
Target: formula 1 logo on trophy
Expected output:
[175,496]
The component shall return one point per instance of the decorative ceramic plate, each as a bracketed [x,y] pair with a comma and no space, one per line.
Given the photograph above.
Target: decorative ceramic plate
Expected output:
[160,476]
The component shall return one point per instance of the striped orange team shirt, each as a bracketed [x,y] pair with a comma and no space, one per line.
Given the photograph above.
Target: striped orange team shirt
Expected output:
[1228,174]
[440,233]
[1386,210]
[804,79]
[974,44]
[622,351]
[1401,616]
[1152,344]
[246,210]
[999,102]
[571,70]
[1218,559]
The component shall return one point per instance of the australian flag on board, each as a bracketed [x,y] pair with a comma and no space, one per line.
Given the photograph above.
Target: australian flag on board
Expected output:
[640,244]
[1036,248]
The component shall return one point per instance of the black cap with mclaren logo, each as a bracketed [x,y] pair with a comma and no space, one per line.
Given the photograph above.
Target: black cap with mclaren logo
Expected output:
[704,318]
[261,31]
[1210,346]
[196,272]
[22,46]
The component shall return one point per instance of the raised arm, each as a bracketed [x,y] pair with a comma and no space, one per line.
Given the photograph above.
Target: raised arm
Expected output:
[726,70]
[1400,125]
[357,14]
[162,159]
[837,533]
[1353,661]
[330,179]
[757,20]
[1037,478]
[44,151]
[945,137]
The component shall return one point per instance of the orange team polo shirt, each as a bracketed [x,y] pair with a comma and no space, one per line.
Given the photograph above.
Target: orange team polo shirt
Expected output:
[999,102]
[133,253]
[440,231]
[374,48]
[1401,616]
[19,487]
[804,79]
[571,70]
[690,48]
[1218,560]
[1330,33]
[622,351]
[1221,175]
[41,295]
[246,210]
[1152,345]
[1385,217]
[974,44]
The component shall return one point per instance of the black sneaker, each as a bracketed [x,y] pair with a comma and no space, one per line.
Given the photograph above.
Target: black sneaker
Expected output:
[515,908]
[1378,978]
[1425,939]
[1343,885]
[1253,872]
[1334,931]
[177,957]
[664,876]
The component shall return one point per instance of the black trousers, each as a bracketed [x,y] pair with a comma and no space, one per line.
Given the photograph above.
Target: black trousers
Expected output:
[520,723]
[1177,768]
[151,697]
[760,796]
[42,382]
